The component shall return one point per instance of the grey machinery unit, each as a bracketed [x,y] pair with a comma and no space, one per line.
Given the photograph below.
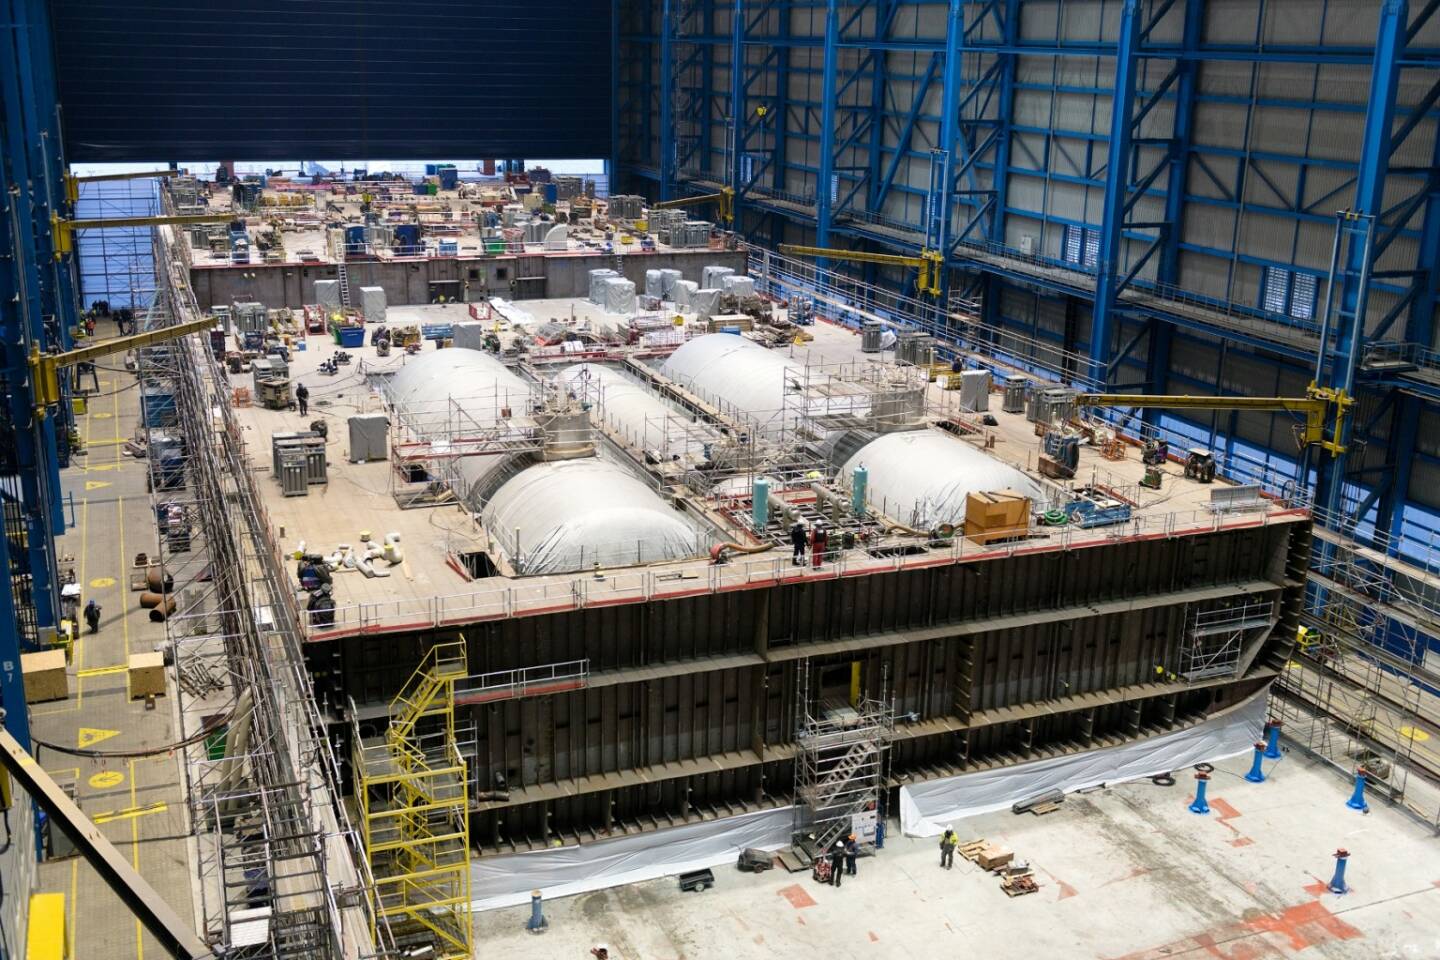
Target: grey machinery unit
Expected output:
[1014,394]
[298,459]
[1051,405]
[272,382]
[369,437]
[914,348]
[870,336]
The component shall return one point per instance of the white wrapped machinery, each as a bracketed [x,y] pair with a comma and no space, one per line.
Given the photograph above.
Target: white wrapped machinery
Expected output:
[654,284]
[597,280]
[712,276]
[975,390]
[372,304]
[469,335]
[705,302]
[558,238]
[618,295]
[738,285]
[668,279]
[683,293]
[327,294]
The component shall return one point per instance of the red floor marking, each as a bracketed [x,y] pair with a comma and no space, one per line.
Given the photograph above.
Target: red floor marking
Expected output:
[1137,872]
[1241,842]
[1228,813]
[873,938]
[799,899]
[1066,891]
[1267,935]
[1319,887]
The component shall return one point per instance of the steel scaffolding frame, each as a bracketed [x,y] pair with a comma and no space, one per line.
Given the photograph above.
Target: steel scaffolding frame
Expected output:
[277,867]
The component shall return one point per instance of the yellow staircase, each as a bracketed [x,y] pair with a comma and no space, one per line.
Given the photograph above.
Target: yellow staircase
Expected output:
[414,812]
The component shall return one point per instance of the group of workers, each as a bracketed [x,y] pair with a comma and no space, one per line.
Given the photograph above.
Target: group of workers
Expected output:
[816,540]
[842,858]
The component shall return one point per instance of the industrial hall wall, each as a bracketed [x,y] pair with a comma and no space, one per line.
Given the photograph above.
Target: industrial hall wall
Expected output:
[142,80]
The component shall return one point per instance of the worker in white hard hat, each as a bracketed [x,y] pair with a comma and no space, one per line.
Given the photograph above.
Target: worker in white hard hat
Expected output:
[948,842]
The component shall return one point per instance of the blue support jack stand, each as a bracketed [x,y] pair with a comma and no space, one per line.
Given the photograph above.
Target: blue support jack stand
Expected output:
[1202,780]
[1272,739]
[1357,799]
[1256,775]
[1337,882]
[537,922]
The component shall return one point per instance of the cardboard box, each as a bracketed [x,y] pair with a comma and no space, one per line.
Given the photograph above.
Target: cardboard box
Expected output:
[147,675]
[45,677]
[994,857]
[998,515]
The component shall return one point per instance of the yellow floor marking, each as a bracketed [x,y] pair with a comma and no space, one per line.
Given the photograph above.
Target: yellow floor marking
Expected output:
[106,779]
[124,621]
[102,671]
[101,416]
[107,466]
[130,813]
[100,583]
[1415,734]
[98,484]
[89,736]
[106,443]
[74,896]
[80,578]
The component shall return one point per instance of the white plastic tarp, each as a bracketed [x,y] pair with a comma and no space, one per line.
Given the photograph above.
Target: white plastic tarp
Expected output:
[705,302]
[597,279]
[740,286]
[654,284]
[557,238]
[327,294]
[617,295]
[668,279]
[926,808]
[683,293]
[372,304]
[712,276]
[506,881]
[922,477]
[635,412]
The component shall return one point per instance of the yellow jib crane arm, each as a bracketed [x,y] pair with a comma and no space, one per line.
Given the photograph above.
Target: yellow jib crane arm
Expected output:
[45,367]
[64,230]
[72,182]
[929,262]
[1317,407]
[724,200]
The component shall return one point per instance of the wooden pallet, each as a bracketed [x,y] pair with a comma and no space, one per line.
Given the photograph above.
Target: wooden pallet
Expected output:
[1040,809]
[971,851]
[1020,885]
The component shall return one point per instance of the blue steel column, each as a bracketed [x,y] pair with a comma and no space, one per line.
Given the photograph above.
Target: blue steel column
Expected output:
[950,112]
[737,101]
[667,101]
[780,113]
[25,105]
[823,211]
[1117,182]
[1004,115]
[1375,150]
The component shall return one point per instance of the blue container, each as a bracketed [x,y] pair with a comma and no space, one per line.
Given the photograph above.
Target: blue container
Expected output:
[157,405]
[355,239]
[430,169]
[551,193]
[449,177]
[407,238]
[352,336]
[420,189]
[449,248]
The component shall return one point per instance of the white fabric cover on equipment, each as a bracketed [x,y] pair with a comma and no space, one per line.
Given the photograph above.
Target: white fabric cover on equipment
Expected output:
[683,293]
[372,304]
[712,276]
[557,238]
[925,808]
[617,295]
[636,412]
[668,279]
[654,284]
[705,302]
[597,279]
[576,513]
[740,286]
[327,294]
[468,335]
[922,477]
[506,880]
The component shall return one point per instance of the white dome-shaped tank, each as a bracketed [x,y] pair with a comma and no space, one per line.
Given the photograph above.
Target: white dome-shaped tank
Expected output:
[559,517]
[636,413]
[736,373]
[922,477]
[427,393]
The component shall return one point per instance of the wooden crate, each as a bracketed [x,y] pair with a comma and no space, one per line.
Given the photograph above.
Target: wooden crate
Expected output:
[998,515]
[45,677]
[994,857]
[147,675]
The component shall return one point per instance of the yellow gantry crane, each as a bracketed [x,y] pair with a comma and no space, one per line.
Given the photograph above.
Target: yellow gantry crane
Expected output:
[930,263]
[724,202]
[1321,407]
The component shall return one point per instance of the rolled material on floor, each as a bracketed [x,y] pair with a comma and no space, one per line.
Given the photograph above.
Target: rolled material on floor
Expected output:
[161,610]
[157,582]
[151,599]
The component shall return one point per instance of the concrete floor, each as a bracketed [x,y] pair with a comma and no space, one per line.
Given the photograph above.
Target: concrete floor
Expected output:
[1126,873]
[136,801]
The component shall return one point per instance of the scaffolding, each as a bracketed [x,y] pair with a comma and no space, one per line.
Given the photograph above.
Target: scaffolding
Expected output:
[275,855]
[412,793]
[841,757]
[1216,638]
